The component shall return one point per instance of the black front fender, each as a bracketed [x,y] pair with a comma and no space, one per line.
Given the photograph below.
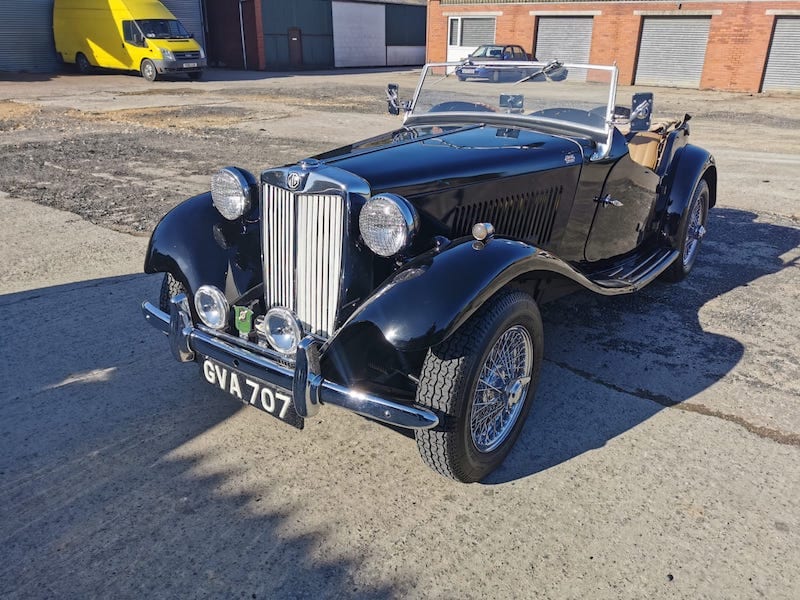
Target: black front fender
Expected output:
[433,295]
[200,247]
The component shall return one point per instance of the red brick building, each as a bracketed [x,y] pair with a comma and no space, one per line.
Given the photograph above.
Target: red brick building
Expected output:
[735,45]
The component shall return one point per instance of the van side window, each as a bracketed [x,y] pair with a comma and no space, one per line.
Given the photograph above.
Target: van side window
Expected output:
[131,33]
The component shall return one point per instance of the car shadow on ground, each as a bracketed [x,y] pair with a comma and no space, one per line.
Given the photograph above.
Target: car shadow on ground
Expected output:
[112,482]
[645,351]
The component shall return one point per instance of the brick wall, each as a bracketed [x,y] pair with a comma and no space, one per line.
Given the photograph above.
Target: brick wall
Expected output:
[738,40]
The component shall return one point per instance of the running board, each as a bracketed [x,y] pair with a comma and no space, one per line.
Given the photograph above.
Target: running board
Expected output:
[632,274]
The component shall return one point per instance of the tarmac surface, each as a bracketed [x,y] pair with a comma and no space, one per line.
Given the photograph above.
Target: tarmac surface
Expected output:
[661,457]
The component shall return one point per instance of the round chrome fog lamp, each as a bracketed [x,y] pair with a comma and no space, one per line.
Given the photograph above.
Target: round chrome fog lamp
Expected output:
[388,223]
[212,306]
[282,330]
[230,192]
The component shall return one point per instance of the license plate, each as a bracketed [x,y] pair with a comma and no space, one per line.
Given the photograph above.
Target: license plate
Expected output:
[468,71]
[264,396]
[189,65]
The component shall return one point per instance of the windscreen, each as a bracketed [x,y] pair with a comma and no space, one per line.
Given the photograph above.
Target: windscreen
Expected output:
[162,29]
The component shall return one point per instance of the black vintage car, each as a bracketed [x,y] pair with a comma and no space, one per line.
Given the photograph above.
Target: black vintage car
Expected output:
[400,277]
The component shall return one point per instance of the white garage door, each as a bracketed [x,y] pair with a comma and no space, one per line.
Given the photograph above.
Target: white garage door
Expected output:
[672,51]
[782,71]
[568,39]
[359,34]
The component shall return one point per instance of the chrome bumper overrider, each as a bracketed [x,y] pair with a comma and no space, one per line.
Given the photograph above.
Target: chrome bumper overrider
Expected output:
[309,389]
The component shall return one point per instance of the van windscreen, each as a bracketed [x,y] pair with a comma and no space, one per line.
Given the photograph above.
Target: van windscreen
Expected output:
[162,28]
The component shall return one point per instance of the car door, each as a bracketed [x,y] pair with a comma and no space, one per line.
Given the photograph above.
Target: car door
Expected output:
[624,213]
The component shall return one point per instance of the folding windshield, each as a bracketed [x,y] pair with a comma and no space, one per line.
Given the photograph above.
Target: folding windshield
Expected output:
[577,99]
[162,28]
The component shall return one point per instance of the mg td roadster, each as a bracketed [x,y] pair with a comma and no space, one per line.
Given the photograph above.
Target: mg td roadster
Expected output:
[400,277]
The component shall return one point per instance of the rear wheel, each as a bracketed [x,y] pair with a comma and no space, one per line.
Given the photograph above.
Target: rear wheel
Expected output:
[195,75]
[692,232]
[148,70]
[481,381]
[83,64]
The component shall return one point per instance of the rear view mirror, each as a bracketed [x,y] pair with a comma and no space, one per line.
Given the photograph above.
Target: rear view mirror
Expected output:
[641,111]
[393,104]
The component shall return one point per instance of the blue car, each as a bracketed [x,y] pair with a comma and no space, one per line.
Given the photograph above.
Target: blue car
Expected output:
[481,63]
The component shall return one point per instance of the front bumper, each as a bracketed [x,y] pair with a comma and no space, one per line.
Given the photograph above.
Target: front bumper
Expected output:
[309,389]
[180,65]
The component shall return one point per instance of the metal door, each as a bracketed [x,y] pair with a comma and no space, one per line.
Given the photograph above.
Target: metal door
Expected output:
[782,72]
[568,39]
[672,51]
[295,47]
[26,44]
[465,34]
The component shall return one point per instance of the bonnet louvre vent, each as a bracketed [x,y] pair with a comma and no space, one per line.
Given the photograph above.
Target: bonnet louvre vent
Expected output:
[528,216]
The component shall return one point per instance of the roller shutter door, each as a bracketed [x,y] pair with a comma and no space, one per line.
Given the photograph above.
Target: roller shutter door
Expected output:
[465,34]
[359,34]
[26,37]
[190,13]
[672,51]
[569,39]
[782,71]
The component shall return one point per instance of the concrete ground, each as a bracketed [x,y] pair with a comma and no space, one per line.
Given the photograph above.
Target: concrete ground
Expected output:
[661,459]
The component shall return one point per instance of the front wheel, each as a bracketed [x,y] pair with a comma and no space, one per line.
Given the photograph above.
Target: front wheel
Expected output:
[170,287]
[195,75]
[692,232]
[148,70]
[83,64]
[481,381]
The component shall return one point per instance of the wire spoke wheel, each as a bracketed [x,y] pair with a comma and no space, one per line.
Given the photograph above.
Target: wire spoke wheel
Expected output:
[481,382]
[502,383]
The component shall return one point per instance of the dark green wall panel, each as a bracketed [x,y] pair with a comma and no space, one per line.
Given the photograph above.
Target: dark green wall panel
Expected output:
[405,25]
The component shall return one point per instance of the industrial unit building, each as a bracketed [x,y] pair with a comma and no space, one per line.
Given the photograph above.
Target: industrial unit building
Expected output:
[735,45]
[252,34]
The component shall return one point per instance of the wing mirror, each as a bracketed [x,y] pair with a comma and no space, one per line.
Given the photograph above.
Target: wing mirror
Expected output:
[394,105]
[641,111]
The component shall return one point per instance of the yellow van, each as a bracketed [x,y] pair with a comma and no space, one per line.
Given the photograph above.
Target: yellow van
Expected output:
[134,35]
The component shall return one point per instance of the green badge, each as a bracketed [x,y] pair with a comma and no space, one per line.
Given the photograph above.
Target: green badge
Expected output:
[244,320]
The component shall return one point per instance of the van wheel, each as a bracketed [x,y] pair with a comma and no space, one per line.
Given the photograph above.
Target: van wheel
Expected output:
[195,75]
[83,64]
[148,70]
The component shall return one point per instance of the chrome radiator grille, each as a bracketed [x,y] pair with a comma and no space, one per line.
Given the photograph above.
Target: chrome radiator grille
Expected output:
[303,237]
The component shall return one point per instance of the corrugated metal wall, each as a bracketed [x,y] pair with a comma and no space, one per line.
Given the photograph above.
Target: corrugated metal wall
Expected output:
[190,13]
[315,21]
[26,36]
[782,72]
[672,51]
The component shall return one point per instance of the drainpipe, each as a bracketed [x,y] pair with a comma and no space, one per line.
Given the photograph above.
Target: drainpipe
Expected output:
[241,29]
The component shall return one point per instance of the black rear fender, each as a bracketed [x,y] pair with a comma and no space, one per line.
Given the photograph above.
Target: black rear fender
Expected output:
[690,165]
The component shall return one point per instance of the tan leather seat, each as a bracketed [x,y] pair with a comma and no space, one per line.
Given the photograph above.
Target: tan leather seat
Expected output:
[643,148]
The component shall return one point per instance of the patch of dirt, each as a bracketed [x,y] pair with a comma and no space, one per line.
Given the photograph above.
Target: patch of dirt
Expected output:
[184,117]
[15,116]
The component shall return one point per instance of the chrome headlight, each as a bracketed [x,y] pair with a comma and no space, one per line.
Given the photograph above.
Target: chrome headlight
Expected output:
[230,192]
[167,54]
[388,223]
[212,306]
[282,330]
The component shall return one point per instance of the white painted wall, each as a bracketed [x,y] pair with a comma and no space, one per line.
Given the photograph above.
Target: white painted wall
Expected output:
[405,55]
[359,34]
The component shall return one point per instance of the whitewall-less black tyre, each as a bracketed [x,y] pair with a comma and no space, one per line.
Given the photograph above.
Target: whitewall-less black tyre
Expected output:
[692,232]
[481,381]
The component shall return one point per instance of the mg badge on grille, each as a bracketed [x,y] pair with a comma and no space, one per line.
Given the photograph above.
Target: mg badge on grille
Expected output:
[293,180]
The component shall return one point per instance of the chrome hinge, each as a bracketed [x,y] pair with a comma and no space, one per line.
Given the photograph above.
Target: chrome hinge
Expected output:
[607,200]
